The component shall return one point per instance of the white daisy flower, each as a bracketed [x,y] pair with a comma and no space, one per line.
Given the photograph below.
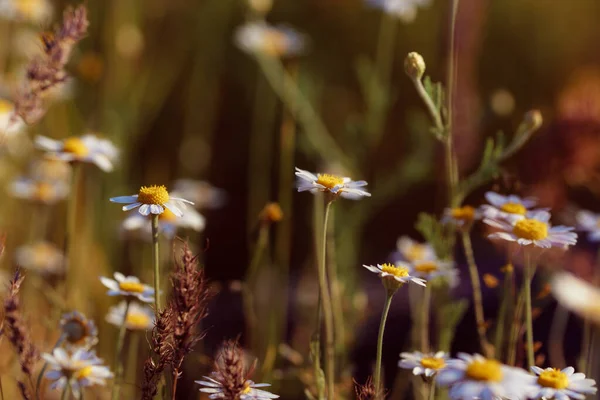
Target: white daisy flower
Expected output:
[251,390]
[589,222]
[152,200]
[461,216]
[80,368]
[435,268]
[87,148]
[168,223]
[201,193]
[35,11]
[78,331]
[561,385]
[475,377]
[337,185]
[533,230]
[39,191]
[139,317]
[413,251]
[423,364]
[128,286]
[10,124]
[577,295]
[505,206]
[405,10]
[393,276]
[42,257]
[275,41]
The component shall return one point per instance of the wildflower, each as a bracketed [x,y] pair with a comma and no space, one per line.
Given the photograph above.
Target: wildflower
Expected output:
[552,383]
[36,11]
[81,368]
[532,230]
[414,65]
[78,331]
[470,377]
[152,200]
[128,286]
[461,217]
[435,269]
[505,206]
[589,222]
[201,193]
[271,213]
[39,191]
[336,185]
[393,276]
[249,390]
[168,223]
[577,295]
[87,148]
[10,124]
[423,364]
[42,257]
[274,41]
[413,251]
[139,317]
[405,10]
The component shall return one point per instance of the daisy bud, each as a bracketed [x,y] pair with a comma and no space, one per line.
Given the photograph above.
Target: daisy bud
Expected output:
[533,120]
[414,65]
[271,213]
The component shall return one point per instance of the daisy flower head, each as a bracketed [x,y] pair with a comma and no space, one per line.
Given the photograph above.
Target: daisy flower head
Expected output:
[139,317]
[81,368]
[42,257]
[577,295]
[168,223]
[275,41]
[423,364]
[10,123]
[535,229]
[475,377]
[332,184]
[78,331]
[394,276]
[152,200]
[87,148]
[461,217]
[563,384]
[435,270]
[39,190]
[128,286]
[505,206]
[250,391]
[413,251]
[405,10]
[589,222]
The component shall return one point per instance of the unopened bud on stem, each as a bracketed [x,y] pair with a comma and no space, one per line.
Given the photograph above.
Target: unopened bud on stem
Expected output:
[414,65]
[533,120]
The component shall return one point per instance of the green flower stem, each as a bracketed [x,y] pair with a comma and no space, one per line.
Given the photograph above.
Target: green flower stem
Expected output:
[528,307]
[432,389]
[384,314]
[73,234]
[586,340]
[327,311]
[66,391]
[40,377]
[503,313]
[425,306]
[477,297]
[156,260]
[118,364]
[516,328]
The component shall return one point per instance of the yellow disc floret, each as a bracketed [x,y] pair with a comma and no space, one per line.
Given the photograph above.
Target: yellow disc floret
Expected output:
[427,267]
[415,252]
[246,388]
[484,370]
[75,146]
[553,378]
[5,106]
[329,181]
[465,214]
[153,195]
[137,320]
[133,287]
[433,363]
[167,215]
[274,43]
[397,271]
[514,208]
[531,229]
[83,372]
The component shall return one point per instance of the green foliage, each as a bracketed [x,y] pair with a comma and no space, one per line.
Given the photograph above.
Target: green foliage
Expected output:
[449,314]
[436,234]
[437,95]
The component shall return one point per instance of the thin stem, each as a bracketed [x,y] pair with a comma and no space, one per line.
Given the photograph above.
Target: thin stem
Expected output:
[40,377]
[432,389]
[591,356]
[431,108]
[318,218]
[516,328]
[118,363]
[384,314]
[156,260]
[503,313]
[425,306]
[174,384]
[451,164]
[528,313]
[66,391]
[477,297]
[327,311]
[72,235]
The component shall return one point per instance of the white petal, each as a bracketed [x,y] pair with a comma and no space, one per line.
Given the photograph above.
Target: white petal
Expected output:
[145,209]
[124,199]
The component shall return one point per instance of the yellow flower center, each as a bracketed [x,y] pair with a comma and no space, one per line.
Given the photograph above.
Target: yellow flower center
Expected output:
[44,191]
[83,372]
[246,389]
[426,267]
[167,215]
[514,208]
[466,213]
[531,229]
[274,43]
[329,181]
[137,320]
[484,370]
[397,271]
[153,195]
[134,287]
[75,146]
[5,106]
[415,252]
[553,379]
[271,213]
[433,363]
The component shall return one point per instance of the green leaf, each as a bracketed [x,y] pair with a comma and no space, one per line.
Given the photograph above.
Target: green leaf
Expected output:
[435,233]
